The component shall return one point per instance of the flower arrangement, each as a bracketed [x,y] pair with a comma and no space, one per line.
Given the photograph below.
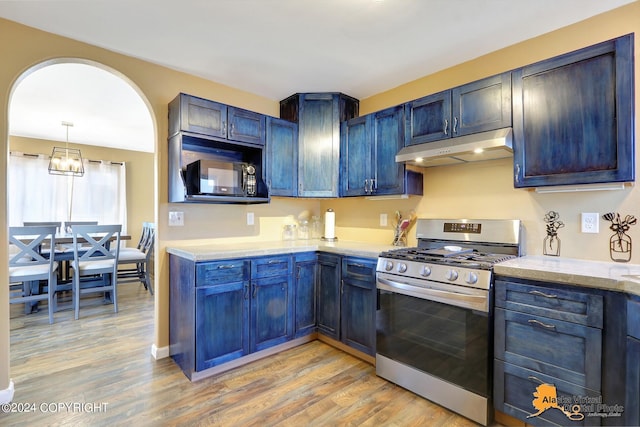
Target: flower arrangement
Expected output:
[551,245]
[620,242]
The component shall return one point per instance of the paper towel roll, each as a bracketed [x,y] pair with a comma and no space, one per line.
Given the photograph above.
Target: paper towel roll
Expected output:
[330,224]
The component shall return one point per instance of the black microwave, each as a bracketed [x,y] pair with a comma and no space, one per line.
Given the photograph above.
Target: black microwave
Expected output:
[220,178]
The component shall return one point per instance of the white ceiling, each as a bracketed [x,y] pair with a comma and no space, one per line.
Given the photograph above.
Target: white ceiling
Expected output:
[275,48]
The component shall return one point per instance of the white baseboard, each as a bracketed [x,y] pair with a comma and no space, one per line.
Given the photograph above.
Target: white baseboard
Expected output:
[159,352]
[6,395]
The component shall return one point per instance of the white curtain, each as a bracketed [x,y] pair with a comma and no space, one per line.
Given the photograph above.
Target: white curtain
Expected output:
[34,195]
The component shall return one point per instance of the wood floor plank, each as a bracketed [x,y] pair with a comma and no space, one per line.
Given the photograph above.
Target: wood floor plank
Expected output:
[103,359]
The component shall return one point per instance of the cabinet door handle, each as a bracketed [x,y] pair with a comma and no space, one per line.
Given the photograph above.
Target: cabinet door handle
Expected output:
[255,291]
[373,185]
[231,129]
[341,287]
[225,267]
[366,183]
[455,125]
[536,379]
[542,294]
[517,176]
[535,322]
[246,291]
[224,127]
[446,127]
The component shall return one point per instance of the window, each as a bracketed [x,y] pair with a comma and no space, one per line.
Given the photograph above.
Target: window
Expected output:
[34,195]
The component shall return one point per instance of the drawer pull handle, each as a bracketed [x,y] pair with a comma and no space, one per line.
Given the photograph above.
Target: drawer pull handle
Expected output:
[536,379]
[539,323]
[274,261]
[358,265]
[542,294]
[225,267]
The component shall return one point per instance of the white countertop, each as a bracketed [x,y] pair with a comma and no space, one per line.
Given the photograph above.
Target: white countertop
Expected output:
[208,252]
[611,276]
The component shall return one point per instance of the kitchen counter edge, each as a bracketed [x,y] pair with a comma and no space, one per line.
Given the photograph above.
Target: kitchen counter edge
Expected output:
[211,252]
[610,276]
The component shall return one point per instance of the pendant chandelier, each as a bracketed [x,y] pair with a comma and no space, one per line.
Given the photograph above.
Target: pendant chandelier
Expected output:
[65,160]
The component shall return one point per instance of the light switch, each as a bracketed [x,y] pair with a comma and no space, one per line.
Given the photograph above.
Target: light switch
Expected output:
[176,218]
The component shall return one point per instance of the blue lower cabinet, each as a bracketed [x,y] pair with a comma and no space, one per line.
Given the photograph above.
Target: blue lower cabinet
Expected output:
[305,320]
[358,315]
[271,312]
[329,295]
[222,324]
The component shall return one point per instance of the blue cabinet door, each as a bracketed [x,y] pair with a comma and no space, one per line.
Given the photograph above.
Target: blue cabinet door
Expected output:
[202,116]
[388,136]
[282,157]
[305,294]
[271,312]
[573,117]
[358,305]
[245,126]
[329,295]
[428,119]
[482,105]
[221,323]
[356,156]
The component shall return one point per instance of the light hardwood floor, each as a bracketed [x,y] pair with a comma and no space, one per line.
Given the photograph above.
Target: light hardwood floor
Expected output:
[103,362]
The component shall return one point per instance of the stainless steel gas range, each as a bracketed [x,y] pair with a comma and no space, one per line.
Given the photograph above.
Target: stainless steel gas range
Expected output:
[434,313]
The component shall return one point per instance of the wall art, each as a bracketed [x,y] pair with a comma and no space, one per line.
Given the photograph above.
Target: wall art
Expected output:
[620,241]
[551,243]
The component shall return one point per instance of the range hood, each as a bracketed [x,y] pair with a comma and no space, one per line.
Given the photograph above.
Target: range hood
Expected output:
[495,144]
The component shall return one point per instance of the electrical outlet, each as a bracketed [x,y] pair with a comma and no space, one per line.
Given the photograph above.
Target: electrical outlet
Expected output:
[176,218]
[250,218]
[383,220]
[590,223]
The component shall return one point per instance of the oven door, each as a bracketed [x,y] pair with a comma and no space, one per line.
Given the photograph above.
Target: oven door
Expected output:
[443,330]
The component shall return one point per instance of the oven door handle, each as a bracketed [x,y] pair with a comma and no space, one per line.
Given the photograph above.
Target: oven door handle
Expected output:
[478,302]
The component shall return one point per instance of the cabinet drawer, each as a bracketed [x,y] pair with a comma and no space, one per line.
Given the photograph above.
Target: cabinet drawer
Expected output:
[225,271]
[564,350]
[513,394]
[271,266]
[358,268]
[554,303]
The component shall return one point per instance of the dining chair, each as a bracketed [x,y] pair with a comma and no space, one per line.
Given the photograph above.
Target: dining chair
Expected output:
[138,259]
[28,266]
[95,267]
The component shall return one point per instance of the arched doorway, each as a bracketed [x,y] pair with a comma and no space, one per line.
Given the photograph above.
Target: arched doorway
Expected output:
[94,97]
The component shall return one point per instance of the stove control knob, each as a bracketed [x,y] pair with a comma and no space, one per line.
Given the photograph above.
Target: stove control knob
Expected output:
[426,271]
[402,267]
[388,265]
[451,275]
[471,278]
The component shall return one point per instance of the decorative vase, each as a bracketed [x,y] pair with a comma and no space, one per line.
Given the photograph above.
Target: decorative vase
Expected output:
[551,245]
[620,247]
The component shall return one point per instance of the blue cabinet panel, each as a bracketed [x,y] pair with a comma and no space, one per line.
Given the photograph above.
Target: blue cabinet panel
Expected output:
[573,117]
[305,294]
[271,311]
[358,305]
[222,332]
[329,295]
[282,157]
[429,118]
[246,126]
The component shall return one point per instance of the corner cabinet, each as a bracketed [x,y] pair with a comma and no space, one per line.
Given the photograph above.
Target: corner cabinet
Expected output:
[318,116]
[573,117]
[478,106]
[368,146]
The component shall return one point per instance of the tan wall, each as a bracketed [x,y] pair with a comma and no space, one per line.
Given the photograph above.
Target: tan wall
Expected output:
[480,190]
[485,189]
[140,177]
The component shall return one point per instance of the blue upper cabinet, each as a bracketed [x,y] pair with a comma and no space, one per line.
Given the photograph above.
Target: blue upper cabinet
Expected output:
[479,106]
[192,114]
[573,117]
[318,116]
[369,145]
[282,157]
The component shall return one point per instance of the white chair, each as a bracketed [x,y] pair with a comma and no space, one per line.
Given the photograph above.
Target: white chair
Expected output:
[95,267]
[138,259]
[27,265]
